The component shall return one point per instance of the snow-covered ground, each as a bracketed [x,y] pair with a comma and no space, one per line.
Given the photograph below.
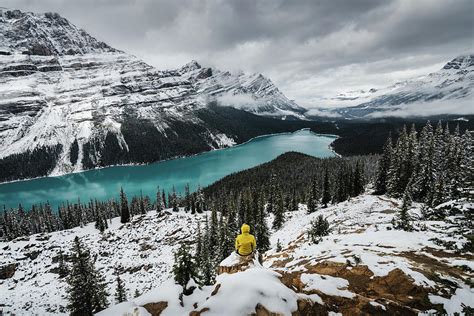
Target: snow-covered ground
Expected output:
[352,267]
[142,251]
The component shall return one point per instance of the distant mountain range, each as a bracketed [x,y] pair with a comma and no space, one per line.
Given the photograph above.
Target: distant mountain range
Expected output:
[70,96]
[447,91]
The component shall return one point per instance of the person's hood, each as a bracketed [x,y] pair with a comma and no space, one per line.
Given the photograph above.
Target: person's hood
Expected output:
[245,229]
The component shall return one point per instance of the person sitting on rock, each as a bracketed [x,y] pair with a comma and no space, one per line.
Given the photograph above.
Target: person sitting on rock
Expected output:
[245,243]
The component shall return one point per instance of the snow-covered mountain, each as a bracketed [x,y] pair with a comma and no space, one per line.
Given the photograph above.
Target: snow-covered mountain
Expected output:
[447,91]
[61,86]
[363,267]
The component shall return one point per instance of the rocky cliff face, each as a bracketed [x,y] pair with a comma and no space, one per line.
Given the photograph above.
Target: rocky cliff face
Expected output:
[44,34]
[61,86]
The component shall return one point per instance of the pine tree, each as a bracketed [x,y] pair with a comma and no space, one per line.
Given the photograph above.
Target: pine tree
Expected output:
[87,290]
[124,211]
[187,198]
[318,229]
[326,198]
[278,247]
[294,201]
[279,217]
[207,273]
[467,167]
[174,200]
[163,198]
[397,173]
[200,207]
[313,197]
[231,220]
[411,158]
[437,190]
[198,253]
[159,202]
[404,219]
[424,175]
[261,229]
[271,198]
[136,294]
[142,204]
[341,186]
[357,181]
[120,291]
[383,167]
[100,221]
[454,162]
[226,239]
[242,210]
[213,233]
[63,269]
[184,268]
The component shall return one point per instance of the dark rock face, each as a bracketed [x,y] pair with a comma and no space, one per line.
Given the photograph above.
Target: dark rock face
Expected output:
[46,35]
[7,270]
[460,62]
[205,73]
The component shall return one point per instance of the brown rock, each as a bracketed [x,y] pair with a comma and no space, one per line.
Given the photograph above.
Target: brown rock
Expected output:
[243,265]
[155,309]
[198,313]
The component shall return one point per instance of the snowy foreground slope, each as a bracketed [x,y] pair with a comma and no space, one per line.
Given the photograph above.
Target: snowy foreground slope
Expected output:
[363,266]
[142,251]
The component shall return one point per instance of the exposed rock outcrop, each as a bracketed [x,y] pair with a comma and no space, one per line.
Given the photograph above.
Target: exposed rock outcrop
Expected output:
[7,270]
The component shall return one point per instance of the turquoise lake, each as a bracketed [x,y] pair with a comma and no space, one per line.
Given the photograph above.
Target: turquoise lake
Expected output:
[201,169]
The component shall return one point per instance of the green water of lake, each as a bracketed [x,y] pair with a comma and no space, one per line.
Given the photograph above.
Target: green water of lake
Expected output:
[201,169]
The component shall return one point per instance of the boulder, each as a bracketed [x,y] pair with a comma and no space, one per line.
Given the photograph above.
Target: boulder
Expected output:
[155,309]
[7,270]
[237,263]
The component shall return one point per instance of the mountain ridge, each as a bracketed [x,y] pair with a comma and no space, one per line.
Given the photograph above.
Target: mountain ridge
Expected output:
[65,88]
[429,95]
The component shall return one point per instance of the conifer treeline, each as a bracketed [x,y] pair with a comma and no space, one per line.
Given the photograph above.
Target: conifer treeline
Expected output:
[432,166]
[294,178]
[283,183]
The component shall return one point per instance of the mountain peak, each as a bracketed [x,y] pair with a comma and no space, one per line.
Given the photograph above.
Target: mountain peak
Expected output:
[192,65]
[460,62]
[45,34]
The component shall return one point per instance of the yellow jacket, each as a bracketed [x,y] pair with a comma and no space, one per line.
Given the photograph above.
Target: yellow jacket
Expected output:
[245,243]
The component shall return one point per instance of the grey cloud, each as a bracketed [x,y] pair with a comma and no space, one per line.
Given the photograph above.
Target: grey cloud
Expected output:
[309,48]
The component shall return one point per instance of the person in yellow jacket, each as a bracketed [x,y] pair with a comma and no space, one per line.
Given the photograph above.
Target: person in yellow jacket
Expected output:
[245,243]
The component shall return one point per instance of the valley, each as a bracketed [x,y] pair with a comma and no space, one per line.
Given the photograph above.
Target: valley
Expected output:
[137,181]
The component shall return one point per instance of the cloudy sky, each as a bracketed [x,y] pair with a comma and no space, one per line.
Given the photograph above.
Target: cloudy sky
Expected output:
[311,49]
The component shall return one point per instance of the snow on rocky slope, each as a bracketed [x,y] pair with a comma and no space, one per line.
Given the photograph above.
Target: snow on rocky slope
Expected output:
[363,266]
[141,251]
[446,91]
[59,85]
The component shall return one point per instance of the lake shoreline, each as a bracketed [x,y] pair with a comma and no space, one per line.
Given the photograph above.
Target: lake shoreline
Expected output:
[196,170]
[178,157]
